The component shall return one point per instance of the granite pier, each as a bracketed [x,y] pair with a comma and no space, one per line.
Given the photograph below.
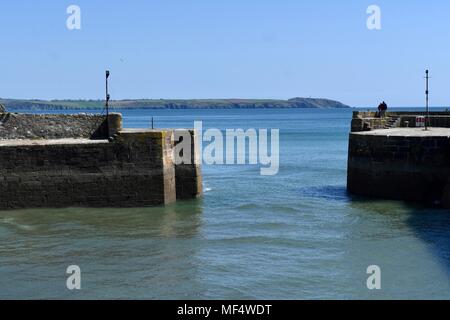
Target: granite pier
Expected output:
[391,158]
[91,161]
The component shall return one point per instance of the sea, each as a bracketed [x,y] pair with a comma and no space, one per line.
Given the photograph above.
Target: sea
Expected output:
[294,235]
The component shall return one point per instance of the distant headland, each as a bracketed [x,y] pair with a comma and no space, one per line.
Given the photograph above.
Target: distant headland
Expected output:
[310,103]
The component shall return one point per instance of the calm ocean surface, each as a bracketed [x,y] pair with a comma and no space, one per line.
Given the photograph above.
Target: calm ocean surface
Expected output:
[296,235]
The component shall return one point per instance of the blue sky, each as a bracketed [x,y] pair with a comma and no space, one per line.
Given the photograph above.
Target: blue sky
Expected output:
[227,49]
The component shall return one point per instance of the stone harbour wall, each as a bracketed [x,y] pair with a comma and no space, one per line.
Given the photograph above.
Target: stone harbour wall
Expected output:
[368,120]
[134,168]
[188,175]
[55,126]
[411,168]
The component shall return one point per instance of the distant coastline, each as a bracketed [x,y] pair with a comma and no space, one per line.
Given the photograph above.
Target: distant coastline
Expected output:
[305,103]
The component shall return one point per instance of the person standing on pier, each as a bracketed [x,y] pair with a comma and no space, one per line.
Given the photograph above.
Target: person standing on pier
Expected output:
[382,108]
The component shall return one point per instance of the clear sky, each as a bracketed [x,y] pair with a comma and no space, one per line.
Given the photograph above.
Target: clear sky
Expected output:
[227,49]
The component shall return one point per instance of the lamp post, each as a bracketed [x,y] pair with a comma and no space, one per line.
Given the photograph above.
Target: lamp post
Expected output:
[107,103]
[427,77]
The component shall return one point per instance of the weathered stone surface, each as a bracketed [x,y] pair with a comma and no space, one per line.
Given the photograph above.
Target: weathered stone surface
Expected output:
[368,120]
[188,175]
[136,168]
[56,126]
[401,164]
[2,108]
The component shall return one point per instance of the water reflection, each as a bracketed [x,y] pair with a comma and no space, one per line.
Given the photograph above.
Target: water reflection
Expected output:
[409,241]
[182,219]
[148,253]
[433,227]
[429,225]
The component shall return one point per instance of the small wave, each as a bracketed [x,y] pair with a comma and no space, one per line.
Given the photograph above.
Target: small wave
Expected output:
[247,206]
[273,208]
[260,239]
[337,193]
[286,209]
[12,222]
[207,189]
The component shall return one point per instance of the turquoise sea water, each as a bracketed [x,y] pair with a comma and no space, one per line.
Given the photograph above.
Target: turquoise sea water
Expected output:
[296,235]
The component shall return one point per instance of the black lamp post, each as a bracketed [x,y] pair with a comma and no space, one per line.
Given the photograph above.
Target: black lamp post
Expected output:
[427,77]
[107,103]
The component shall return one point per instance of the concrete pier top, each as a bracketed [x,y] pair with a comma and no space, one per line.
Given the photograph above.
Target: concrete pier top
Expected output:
[393,157]
[49,142]
[407,132]
[144,130]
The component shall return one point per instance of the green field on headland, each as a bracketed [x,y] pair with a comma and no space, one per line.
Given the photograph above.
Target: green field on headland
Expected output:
[174,104]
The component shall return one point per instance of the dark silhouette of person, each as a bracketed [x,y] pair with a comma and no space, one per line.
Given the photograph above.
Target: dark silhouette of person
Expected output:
[382,108]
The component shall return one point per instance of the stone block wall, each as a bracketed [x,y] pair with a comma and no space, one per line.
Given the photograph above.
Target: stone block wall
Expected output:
[134,169]
[400,167]
[188,175]
[367,124]
[368,120]
[57,126]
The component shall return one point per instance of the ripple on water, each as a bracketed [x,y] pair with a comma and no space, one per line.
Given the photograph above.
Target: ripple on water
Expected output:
[333,193]
[11,222]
